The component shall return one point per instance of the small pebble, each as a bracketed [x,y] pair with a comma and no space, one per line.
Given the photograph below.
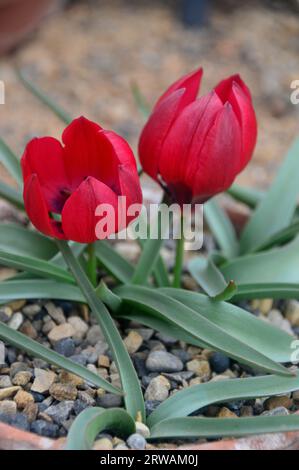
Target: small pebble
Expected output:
[5,314]
[22,378]
[109,400]
[61,331]
[181,354]
[133,342]
[136,442]
[200,367]
[158,389]
[219,362]
[79,325]
[63,391]
[65,346]
[142,429]
[16,321]
[275,402]
[22,398]
[162,361]
[8,407]
[60,412]
[246,411]
[43,380]
[31,411]
[292,312]
[79,406]
[86,398]
[280,411]
[16,305]
[43,428]
[31,310]
[68,377]
[103,361]
[103,444]
[18,420]
[296,397]
[28,329]
[8,392]
[226,413]
[94,335]
[56,313]
[5,381]
[2,353]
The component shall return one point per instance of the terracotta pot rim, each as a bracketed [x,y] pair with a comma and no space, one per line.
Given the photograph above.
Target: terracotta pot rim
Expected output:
[12,438]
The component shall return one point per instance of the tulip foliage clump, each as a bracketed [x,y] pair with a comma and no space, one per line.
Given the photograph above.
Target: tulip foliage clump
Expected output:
[193,148]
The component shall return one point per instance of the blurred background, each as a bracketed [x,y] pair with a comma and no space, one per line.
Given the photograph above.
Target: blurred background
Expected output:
[87,54]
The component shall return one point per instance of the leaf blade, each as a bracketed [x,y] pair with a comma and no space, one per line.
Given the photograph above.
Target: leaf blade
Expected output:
[277,208]
[224,427]
[196,325]
[193,398]
[92,421]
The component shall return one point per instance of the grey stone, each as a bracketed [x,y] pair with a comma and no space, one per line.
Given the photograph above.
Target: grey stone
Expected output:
[18,367]
[56,313]
[16,321]
[86,398]
[2,353]
[279,411]
[8,407]
[90,354]
[79,406]
[65,346]
[60,412]
[136,441]
[31,310]
[109,400]
[166,339]
[18,420]
[5,381]
[79,359]
[43,428]
[79,325]
[162,361]
[94,335]
[158,389]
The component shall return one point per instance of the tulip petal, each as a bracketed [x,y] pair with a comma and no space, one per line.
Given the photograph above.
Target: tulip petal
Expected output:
[44,157]
[79,219]
[37,210]
[191,84]
[223,89]
[121,152]
[186,137]
[155,132]
[234,91]
[83,150]
[218,161]
[246,115]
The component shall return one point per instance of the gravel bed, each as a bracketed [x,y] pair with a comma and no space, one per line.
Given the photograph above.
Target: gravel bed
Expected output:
[45,400]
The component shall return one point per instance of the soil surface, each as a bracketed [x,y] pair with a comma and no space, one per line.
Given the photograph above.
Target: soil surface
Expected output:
[87,56]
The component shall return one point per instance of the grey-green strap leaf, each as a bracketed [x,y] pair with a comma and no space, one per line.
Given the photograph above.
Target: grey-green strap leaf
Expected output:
[277,208]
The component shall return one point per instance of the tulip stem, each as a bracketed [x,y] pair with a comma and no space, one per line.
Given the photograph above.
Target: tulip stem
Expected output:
[179,257]
[92,264]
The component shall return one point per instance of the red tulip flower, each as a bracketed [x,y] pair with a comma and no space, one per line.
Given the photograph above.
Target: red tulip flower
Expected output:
[196,147]
[64,184]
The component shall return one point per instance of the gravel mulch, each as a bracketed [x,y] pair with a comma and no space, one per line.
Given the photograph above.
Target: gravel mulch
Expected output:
[45,400]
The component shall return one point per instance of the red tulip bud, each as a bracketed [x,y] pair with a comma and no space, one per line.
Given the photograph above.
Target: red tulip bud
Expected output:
[195,147]
[64,184]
